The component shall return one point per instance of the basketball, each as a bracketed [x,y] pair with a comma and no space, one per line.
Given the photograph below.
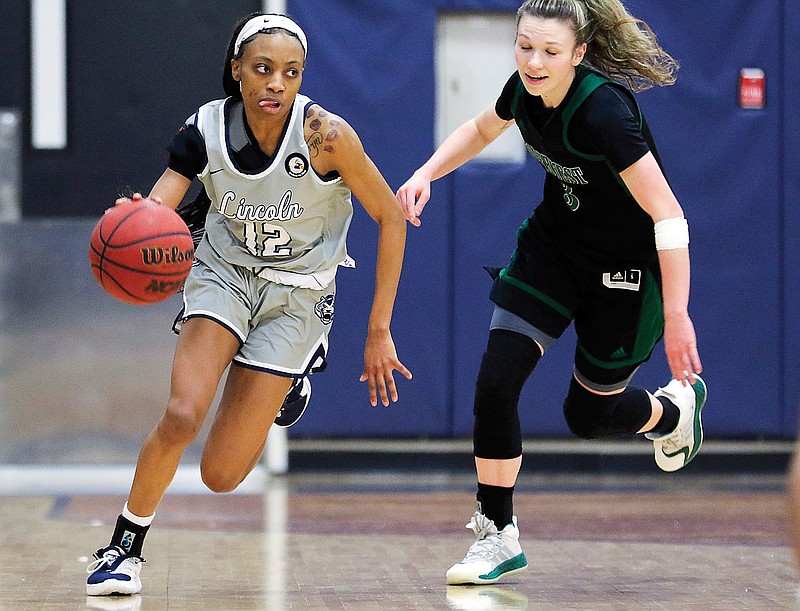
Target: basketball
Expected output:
[141,252]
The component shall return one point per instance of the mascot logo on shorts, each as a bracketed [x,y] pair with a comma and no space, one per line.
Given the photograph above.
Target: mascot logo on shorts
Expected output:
[324,309]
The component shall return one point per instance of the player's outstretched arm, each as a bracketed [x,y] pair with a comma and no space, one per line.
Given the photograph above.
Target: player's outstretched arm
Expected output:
[458,148]
[345,154]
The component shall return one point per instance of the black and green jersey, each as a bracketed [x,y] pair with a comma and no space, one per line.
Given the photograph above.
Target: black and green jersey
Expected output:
[584,143]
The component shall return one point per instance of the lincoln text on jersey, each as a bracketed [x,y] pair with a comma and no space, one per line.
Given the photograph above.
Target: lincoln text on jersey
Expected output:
[242,210]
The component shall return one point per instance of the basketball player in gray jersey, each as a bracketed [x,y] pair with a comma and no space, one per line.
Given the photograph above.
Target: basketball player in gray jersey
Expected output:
[285,217]
[277,173]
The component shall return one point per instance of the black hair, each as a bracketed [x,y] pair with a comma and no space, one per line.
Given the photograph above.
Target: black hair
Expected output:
[229,85]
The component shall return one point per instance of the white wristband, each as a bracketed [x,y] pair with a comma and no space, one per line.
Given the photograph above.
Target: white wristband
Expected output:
[672,233]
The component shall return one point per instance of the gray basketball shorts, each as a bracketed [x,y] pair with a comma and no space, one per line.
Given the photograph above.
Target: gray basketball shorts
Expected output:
[282,329]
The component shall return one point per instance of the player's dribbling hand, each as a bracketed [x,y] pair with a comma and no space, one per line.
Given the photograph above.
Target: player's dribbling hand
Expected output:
[380,361]
[135,198]
[413,196]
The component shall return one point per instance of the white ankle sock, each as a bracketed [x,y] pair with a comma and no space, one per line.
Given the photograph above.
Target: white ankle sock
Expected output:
[138,520]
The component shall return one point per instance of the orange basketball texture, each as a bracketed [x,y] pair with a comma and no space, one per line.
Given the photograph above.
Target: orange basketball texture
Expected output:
[141,252]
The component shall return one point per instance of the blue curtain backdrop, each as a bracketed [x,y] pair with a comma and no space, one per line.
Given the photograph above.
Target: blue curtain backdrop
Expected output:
[372,61]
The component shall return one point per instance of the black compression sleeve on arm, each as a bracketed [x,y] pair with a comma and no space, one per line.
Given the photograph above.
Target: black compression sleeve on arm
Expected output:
[187,152]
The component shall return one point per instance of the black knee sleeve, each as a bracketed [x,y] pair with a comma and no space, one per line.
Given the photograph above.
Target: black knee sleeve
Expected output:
[508,361]
[592,416]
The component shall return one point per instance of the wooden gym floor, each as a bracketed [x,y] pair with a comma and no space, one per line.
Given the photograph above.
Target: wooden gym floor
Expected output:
[319,538]
[384,539]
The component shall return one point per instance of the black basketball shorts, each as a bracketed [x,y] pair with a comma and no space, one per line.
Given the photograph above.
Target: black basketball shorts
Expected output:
[617,309]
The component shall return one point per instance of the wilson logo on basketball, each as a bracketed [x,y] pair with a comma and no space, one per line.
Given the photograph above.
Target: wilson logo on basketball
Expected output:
[163,287]
[141,251]
[166,256]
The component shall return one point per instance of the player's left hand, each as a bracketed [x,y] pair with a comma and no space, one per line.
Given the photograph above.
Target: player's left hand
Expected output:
[380,362]
[680,345]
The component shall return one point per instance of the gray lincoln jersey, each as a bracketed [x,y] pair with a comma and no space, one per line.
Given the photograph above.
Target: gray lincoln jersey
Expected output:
[284,221]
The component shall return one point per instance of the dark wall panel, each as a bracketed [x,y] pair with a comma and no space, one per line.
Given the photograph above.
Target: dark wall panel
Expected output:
[14,60]
[725,167]
[135,72]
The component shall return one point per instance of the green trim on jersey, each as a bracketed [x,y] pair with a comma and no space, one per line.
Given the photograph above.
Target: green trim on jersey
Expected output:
[535,293]
[503,275]
[519,93]
[651,328]
[586,87]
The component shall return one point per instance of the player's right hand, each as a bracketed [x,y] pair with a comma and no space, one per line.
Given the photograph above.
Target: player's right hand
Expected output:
[135,198]
[413,196]
[380,361]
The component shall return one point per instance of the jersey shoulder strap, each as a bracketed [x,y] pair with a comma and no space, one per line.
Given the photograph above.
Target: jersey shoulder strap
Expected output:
[588,85]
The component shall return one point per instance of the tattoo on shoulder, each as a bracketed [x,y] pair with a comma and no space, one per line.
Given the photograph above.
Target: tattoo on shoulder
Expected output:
[314,141]
[323,132]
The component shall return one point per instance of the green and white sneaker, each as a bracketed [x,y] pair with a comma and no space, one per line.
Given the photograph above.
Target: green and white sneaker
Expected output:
[674,450]
[494,554]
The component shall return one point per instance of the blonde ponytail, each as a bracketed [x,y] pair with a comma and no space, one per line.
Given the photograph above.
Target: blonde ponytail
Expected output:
[618,44]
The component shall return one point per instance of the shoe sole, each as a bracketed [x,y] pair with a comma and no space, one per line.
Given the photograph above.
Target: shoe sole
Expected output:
[489,578]
[700,398]
[107,588]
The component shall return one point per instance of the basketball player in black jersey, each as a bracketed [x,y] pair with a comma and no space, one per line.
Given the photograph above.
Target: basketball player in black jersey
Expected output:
[606,249]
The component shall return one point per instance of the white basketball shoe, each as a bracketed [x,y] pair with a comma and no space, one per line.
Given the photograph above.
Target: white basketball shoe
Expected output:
[114,571]
[674,450]
[494,554]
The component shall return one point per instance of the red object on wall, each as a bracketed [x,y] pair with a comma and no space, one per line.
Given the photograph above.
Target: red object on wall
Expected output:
[752,88]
